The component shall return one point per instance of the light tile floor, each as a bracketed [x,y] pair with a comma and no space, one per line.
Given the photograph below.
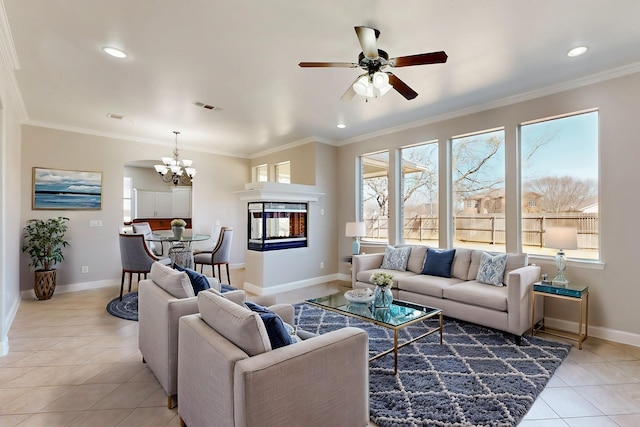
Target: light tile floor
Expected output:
[70,363]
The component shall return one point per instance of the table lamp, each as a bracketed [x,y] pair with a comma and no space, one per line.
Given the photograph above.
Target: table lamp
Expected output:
[355,230]
[561,238]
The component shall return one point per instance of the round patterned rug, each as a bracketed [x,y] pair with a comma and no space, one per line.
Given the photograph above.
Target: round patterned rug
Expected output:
[125,309]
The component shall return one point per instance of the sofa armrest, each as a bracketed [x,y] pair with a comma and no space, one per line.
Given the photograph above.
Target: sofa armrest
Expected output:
[214,283]
[519,290]
[285,311]
[364,262]
[320,381]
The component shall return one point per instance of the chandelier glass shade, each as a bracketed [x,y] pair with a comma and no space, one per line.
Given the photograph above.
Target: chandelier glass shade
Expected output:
[175,170]
[372,85]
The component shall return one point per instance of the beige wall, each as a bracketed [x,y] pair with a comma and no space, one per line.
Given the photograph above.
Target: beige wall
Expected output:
[303,168]
[614,290]
[97,247]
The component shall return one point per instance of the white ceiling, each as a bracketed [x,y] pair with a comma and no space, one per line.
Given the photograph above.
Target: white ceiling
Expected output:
[242,56]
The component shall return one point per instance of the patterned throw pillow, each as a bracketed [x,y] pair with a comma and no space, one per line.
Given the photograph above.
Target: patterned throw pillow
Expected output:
[491,270]
[396,258]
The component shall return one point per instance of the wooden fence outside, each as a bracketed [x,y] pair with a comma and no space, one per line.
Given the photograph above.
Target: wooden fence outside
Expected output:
[491,228]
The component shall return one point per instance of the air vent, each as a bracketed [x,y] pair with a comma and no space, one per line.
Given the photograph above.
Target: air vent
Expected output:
[115,116]
[207,106]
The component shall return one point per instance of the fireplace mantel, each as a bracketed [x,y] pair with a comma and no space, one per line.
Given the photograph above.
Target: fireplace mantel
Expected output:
[278,192]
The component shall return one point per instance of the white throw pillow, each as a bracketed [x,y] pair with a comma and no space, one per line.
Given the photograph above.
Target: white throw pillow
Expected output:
[175,282]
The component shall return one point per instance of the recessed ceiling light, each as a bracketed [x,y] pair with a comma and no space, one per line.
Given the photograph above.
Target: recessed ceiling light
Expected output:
[577,51]
[341,126]
[115,52]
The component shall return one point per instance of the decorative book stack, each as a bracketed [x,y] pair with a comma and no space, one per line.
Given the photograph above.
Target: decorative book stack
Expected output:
[570,291]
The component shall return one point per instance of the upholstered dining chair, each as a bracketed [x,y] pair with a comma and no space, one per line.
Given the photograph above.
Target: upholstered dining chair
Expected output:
[136,258]
[145,228]
[218,256]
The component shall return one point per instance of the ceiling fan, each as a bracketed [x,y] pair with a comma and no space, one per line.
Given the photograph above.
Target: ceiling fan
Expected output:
[376,82]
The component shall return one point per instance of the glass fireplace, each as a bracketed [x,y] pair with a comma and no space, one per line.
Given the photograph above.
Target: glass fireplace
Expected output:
[277,225]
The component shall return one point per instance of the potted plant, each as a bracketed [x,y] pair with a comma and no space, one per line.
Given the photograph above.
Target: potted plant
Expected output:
[177,226]
[43,241]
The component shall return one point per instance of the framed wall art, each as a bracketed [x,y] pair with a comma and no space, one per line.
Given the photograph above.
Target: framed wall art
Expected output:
[55,189]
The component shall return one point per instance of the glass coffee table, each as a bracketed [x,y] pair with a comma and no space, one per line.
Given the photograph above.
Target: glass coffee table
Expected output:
[400,315]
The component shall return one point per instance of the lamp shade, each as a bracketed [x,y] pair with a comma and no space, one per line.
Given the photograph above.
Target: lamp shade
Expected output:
[355,229]
[561,238]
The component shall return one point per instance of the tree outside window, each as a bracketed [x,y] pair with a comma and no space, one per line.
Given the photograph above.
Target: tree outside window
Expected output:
[375,194]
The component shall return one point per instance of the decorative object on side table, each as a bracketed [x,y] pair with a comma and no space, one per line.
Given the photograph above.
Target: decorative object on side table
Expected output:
[561,238]
[43,241]
[383,296]
[355,230]
[177,226]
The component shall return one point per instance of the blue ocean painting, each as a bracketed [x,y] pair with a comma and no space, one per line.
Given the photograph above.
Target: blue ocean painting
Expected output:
[60,189]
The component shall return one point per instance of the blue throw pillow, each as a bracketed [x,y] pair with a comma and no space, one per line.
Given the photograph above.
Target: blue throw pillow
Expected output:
[198,281]
[278,335]
[438,262]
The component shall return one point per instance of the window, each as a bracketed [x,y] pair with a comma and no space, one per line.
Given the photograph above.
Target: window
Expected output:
[478,166]
[420,193]
[260,173]
[374,183]
[127,204]
[560,175]
[282,172]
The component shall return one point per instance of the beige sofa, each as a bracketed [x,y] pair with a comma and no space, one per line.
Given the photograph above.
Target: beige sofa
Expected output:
[507,308]
[229,376]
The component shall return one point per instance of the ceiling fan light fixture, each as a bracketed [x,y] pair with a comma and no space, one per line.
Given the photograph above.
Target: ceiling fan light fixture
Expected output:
[380,79]
[361,85]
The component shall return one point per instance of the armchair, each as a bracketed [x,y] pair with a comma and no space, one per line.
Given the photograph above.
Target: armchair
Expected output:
[136,258]
[227,372]
[219,255]
[162,300]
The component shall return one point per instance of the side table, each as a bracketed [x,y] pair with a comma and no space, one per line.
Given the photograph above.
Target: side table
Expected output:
[579,294]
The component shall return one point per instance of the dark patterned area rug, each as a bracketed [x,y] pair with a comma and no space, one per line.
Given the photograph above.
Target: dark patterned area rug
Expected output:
[477,377]
[125,309]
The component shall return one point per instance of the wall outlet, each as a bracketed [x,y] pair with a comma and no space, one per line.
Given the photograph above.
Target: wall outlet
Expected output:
[322,265]
[95,223]
[85,268]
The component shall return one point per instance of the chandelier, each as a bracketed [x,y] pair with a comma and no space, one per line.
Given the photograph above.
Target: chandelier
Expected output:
[174,170]
[372,85]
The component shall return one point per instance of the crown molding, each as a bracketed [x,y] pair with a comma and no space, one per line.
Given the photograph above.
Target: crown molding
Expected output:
[503,102]
[292,145]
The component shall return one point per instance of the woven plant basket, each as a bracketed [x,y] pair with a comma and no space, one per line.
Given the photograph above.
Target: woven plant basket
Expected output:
[45,284]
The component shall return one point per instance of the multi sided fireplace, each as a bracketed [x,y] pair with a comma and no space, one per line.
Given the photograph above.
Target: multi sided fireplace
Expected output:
[277,225]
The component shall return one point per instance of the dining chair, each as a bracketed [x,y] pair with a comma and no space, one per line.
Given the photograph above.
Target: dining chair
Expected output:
[145,228]
[136,258]
[218,256]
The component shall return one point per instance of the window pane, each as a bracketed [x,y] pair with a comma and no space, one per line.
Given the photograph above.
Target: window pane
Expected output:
[283,172]
[260,174]
[420,194]
[478,191]
[560,182]
[375,195]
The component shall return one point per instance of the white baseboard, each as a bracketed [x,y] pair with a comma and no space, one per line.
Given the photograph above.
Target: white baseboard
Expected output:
[596,331]
[259,290]
[74,287]
[344,277]
[10,317]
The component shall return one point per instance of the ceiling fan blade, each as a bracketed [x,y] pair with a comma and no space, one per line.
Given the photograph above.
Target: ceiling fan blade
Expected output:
[368,41]
[401,87]
[328,64]
[420,59]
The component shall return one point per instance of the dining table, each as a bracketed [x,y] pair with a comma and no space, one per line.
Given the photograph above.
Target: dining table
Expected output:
[179,248]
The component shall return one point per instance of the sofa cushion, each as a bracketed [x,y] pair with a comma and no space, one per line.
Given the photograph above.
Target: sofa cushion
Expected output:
[416,259]
[396,258]
[461,262]
[438,262]
[427,285]
[175,282]
[479,294]
[199,281]
[365,275]
[278,334]
[491,270]
[236,323]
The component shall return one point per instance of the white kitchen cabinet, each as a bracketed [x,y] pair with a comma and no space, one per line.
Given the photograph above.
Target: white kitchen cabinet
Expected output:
[164,204]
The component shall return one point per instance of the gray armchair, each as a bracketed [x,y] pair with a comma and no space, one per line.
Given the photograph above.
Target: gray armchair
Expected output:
[162,300]
[136,258]
[228,372]
[145,228]
[220,254]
